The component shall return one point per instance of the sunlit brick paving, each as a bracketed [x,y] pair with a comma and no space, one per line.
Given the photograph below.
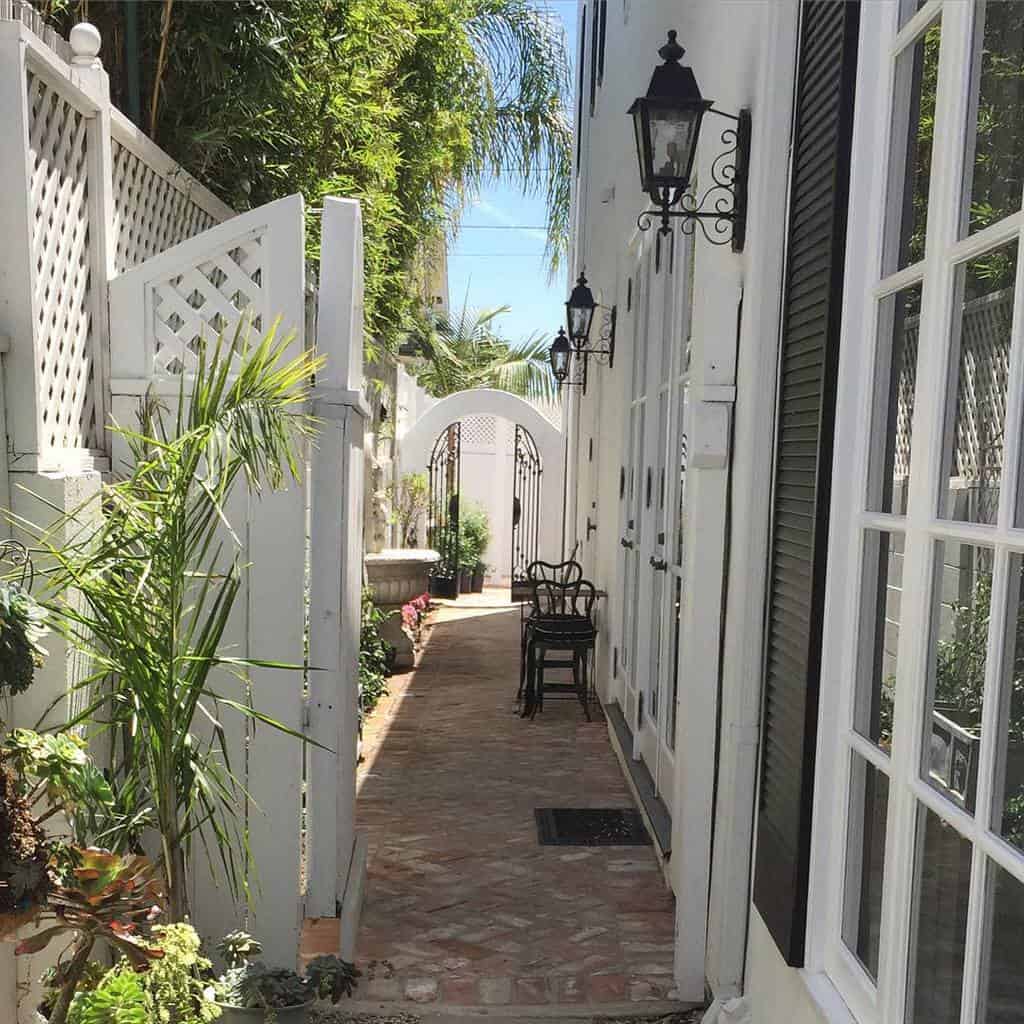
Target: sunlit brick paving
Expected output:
[463,906]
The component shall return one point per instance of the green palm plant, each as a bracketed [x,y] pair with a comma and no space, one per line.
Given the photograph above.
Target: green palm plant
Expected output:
[465,352]
[145,591]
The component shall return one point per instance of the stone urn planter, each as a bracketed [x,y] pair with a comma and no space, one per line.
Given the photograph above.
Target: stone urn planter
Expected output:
[397,575]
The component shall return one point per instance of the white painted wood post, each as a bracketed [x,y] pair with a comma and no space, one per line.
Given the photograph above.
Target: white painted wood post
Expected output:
[276,623]
[337,543]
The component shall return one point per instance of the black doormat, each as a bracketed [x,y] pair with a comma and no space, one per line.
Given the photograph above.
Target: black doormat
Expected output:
[590,826]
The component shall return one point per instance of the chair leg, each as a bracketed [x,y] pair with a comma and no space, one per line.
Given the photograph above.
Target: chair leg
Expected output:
[538,675]
[580,657]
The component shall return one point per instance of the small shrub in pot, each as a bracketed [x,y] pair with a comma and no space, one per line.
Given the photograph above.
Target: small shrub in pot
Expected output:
[250,992]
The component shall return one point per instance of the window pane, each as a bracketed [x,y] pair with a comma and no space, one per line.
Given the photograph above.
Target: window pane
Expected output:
[943,890]
[1008,794]
[908,8]
[1001,992]
[879,637]
[962,600]
[895,375]
[865,859]
[980,356]
[994,179]
[916,77]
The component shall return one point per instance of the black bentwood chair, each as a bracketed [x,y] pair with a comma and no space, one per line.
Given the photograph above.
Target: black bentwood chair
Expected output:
[563,622]
[541,572]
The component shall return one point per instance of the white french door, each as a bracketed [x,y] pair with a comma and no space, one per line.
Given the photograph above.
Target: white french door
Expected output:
[653,503]
[917,911]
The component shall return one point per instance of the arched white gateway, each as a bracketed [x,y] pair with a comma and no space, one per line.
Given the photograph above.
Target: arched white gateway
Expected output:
[489,418]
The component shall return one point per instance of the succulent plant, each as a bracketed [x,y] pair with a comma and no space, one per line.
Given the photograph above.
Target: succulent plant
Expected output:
[253,985]
[238,948]
[256,986]
[22,626]
[97,895]
[24,854]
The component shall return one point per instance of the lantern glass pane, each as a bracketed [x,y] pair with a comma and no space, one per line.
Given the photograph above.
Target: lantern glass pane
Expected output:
[673,137]
[641,150]
[579,322]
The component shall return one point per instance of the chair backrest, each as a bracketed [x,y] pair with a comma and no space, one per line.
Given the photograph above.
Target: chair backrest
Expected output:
[554,598]
[554,572]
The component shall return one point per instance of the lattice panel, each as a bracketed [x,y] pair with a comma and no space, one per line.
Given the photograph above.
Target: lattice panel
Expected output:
[150,212]
[983,373]
[205,301]
[59,193]
[479,432]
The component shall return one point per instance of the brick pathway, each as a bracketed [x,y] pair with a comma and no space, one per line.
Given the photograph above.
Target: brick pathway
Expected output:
[463,906]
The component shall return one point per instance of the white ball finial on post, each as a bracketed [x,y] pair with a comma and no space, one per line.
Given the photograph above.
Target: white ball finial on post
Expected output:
[85,43]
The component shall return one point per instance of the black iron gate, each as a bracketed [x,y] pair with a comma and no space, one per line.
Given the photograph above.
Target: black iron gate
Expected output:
[443,524]
[526,481]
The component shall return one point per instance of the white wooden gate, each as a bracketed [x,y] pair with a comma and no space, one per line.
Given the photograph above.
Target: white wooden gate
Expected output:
[252,268]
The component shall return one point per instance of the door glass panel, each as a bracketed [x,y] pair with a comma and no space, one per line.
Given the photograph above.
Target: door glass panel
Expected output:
[995,177]
[677,627]
[1008,793]
[1001,992]
[660,480]
[962,600]
[680,524]
[879,639]
[654,687]
[916,77]
[943,890]
[979,361]
[865,858]
[896,373]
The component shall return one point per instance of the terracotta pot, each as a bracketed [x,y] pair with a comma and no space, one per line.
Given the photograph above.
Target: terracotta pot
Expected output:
[284,1015]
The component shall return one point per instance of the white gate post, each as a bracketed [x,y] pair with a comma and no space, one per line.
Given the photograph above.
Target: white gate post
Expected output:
[334,874]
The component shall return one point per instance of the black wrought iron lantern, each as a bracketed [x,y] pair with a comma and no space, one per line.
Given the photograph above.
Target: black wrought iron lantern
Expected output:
[667,123]
[579,313]
[560,356]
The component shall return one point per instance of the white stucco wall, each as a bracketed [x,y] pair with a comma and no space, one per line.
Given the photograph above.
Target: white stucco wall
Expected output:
[742,54]
[779,994]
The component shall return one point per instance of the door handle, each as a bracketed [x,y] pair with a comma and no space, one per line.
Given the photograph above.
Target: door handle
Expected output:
[658,564]
[627,544]
[591,527]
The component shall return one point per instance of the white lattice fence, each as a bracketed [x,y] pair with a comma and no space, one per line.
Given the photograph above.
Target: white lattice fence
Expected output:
[155,203]
[70,409]
[99,198]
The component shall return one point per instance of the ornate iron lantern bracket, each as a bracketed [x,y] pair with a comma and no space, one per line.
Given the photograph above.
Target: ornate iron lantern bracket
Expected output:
[721,211]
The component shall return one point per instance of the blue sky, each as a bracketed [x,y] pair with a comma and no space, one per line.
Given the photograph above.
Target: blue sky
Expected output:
[497,259]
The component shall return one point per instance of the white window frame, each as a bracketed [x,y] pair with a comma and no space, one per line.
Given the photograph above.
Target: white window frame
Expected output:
[828,959]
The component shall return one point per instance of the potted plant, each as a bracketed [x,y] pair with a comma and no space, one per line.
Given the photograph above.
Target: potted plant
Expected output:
[475,537]
[22,626]
[249,991]
[40,777]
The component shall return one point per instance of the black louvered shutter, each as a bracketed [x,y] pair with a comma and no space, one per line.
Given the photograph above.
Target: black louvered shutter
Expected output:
[809,355]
